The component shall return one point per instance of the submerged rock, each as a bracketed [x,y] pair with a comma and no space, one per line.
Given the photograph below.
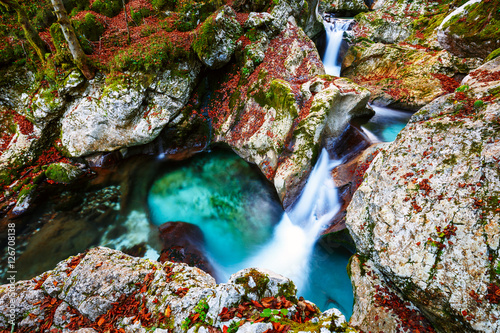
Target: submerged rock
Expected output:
[427,214]
[105,289]
[184,242]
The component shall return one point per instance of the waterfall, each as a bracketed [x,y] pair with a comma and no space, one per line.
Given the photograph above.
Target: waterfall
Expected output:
[290,249]
[334,36]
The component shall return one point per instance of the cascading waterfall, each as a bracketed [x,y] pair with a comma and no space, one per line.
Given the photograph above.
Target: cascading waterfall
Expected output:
[290,249]
[334,36]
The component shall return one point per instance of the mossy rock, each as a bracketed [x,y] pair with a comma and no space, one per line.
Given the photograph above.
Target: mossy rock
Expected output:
[474,32]
[109,8]
[493,55]
[89,27]
[164,4]
[247,6]
[63,172]
[215,41]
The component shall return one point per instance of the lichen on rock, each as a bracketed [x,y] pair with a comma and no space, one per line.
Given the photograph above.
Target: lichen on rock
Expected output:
[106,289]
[427,214]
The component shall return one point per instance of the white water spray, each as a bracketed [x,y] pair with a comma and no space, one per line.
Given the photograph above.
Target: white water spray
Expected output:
[290,249]
[334,35]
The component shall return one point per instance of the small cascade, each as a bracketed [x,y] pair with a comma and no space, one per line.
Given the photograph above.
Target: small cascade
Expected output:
[289,251]
[335,29]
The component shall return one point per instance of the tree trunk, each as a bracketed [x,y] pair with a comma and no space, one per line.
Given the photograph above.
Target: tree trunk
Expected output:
[29,32]
[79,57]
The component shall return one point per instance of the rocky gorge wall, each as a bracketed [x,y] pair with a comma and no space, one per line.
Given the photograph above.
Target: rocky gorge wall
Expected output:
[424,219]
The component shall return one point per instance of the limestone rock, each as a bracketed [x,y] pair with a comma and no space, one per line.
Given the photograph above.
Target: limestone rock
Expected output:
[427,214]
[402,75]
[127,110]
[286,109]
[343,7]
[377,306]
[471,30]
[84,292]
[390,22]
[216,41]
[314,23]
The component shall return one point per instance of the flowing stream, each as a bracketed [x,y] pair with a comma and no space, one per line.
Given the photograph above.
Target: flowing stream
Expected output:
[335,30]
[244,225]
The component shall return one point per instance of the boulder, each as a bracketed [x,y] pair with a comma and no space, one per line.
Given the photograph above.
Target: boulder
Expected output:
[215,40]
[184,242]
[343,7]
[378,307]
[126,110]
[277,114]
[391,21]
[471,30]
[426,214]
[63,172]
[404,76]
[104,289]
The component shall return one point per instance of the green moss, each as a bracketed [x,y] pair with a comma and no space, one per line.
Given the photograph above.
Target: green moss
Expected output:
[89,27]
[493,55]
[62,172]
[164,4]
[260,280]
[108,8]
[481,23]
[280,97]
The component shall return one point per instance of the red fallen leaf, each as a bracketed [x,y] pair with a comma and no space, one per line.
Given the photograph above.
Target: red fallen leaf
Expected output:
[37,303]
[167,312]
[309,307]
[259,320]
[257,304]
[464,313]
[267,302]
[63,317]
[224,329]
[53,301]
[195,317]
[276,325]
[101,321]
[55,283]
[98,265]
[224,311]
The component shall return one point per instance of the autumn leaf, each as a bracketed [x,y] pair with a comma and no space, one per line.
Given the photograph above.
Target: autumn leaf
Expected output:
[167,312]
[101,321]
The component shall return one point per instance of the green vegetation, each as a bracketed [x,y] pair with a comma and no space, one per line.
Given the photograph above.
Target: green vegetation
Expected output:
[493,55]
[109,8]
[89,27]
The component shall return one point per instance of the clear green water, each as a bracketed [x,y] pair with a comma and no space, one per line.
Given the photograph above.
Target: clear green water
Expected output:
[237,212]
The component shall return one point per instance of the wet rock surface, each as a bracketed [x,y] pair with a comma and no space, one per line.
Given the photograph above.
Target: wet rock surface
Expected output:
[184,243]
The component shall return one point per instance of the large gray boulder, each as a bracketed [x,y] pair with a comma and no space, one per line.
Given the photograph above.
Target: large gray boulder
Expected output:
[427,214]
[105,289]
[126,110]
